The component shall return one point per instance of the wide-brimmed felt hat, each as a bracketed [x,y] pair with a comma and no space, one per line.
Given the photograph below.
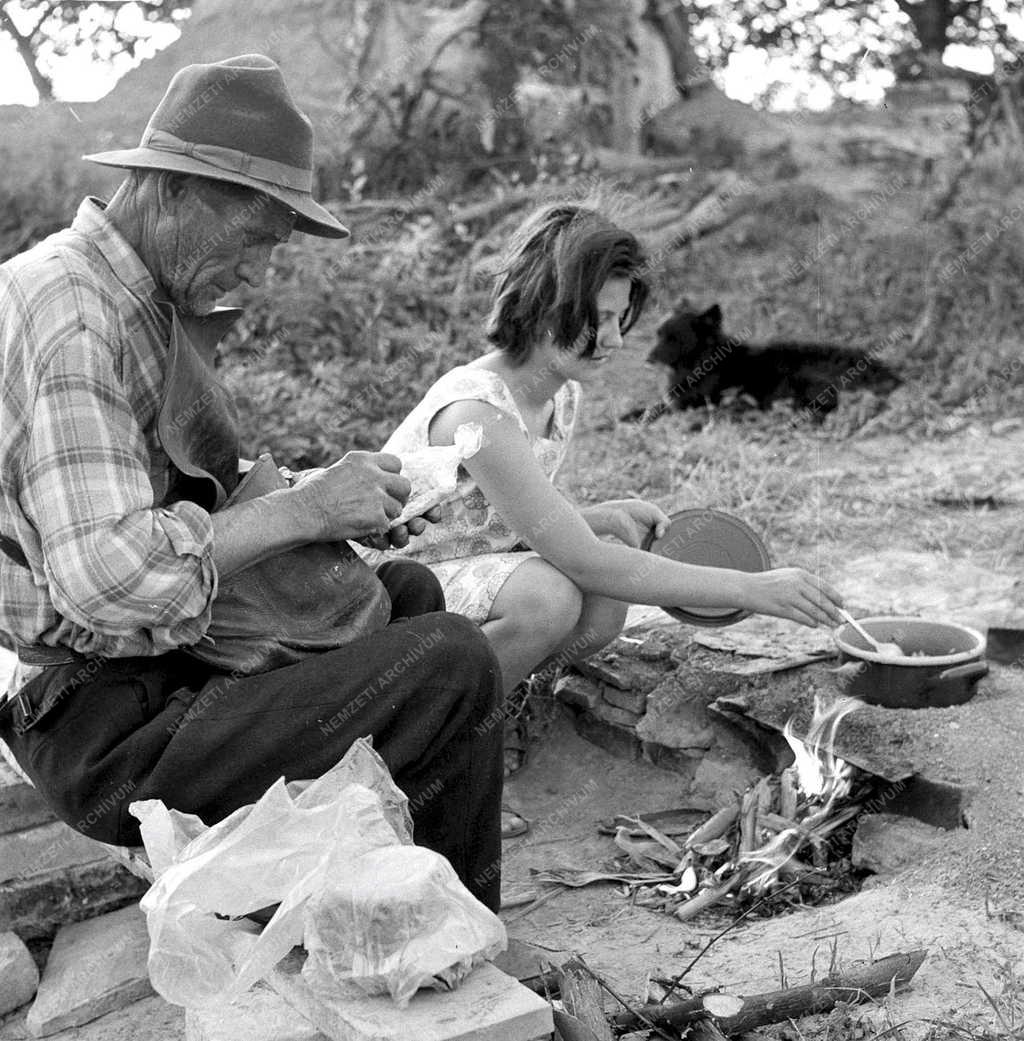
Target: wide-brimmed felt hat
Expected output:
[235,121]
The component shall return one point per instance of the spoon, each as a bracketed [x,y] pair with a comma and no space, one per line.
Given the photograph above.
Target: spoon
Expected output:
[888,650]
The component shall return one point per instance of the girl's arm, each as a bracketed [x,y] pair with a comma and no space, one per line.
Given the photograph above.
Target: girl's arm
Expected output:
[519,490]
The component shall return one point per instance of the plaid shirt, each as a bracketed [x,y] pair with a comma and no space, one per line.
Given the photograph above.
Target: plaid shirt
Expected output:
[82,474]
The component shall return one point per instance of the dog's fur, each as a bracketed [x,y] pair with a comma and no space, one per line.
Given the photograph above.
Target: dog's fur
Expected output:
[705,364]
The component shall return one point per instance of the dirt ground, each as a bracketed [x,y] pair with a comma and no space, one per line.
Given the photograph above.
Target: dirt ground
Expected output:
[570,784]
[965,905]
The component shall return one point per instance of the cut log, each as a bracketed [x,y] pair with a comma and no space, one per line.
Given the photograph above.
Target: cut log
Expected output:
[581,996]
[858,984]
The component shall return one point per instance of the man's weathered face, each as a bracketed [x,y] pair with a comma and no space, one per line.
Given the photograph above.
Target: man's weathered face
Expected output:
[213,236]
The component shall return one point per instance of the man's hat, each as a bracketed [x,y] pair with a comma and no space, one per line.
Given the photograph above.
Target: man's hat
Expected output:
[235,121]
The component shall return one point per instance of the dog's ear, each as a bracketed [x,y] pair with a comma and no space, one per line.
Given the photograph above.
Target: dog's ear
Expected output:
[713,316]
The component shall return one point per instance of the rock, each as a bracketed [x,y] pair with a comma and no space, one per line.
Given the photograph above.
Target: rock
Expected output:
[49,847]
[34,907]
[886,843]
[576,690]
[612,714]
[487,1006]
[259,1015]
[677,716]
[633,701]
[718,777]
[19,976]
[614,739]
[95,967]
[627,665]
[21,806]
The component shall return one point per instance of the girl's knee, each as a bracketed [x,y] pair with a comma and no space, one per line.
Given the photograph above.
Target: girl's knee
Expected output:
[551,607]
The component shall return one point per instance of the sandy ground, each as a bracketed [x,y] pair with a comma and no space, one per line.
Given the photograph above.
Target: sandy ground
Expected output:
[570,784]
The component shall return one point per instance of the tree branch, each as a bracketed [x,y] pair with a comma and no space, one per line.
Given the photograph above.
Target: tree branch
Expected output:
[42,83]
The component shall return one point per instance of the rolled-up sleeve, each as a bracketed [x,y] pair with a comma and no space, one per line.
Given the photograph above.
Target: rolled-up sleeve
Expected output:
[114,562]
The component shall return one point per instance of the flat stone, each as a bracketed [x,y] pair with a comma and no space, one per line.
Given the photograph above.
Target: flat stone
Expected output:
[622,670]
[578,691]
[634,701]
[886,843]
[677,715]
[36,906]
[44,848]
[95,967]
[488,1006]
[19,976]
[151,1019]
[259,1015]
[612,714]
[719,777]
[21,806]
[614,739]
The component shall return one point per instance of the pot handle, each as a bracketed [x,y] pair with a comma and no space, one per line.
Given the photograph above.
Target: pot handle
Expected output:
[972,670]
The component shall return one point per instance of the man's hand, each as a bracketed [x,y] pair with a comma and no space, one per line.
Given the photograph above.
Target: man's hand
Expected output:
[628,520]
[398,536]
[358,495]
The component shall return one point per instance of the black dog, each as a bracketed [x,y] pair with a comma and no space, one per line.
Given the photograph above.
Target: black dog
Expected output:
[706,364]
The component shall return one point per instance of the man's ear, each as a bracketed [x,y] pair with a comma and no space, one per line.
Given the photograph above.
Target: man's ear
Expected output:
[171,186]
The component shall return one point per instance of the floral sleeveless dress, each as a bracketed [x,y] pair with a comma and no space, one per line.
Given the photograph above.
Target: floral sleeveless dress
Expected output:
[471,549]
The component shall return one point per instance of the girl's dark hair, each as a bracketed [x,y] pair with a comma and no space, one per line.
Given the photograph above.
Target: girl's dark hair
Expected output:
[552,271]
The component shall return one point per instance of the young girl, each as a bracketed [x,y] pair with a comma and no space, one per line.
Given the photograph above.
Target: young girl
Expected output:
[570,287]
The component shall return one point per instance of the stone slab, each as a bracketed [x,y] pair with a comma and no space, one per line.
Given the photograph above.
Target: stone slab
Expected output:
[42,849]
[612,714]
[488,1006]
[615,740]
[151,1019]
[21,806]
[19,976]
[37,905]
[95,967]
[576,690]
[259,1015]
[634,701]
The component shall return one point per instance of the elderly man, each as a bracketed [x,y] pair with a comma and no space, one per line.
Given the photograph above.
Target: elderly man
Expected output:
[122,529]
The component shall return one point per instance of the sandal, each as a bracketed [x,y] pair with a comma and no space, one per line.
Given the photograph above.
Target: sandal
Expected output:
[512,823]
[517,743]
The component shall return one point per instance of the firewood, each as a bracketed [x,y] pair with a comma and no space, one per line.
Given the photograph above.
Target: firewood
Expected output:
[709,897]
[714,826]
[857,984]
[581,996]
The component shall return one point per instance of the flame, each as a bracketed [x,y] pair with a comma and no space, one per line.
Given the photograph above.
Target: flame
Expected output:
[819,772]
[823,777]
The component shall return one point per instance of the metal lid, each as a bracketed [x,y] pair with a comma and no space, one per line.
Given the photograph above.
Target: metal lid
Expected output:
[710,538]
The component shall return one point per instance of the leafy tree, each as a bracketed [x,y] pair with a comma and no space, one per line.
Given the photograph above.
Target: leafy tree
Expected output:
[46,29]
[839,38]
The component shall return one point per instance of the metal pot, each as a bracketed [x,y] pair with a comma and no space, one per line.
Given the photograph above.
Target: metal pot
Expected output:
[941,665]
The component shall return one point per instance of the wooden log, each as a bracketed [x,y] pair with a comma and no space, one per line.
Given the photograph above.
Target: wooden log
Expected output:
[581,997]
[857,984]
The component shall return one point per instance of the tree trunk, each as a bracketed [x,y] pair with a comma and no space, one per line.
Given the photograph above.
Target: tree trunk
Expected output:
[40,81]
[624,90]
[672,22]
[503,130]
[931,20]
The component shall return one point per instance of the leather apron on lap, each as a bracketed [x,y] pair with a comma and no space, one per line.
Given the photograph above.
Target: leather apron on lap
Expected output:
[273,613]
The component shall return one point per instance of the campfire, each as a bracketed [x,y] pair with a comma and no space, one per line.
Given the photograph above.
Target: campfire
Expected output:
[781,842]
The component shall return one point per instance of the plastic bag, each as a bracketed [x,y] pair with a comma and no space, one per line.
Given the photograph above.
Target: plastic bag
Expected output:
[305,846]
[434,471]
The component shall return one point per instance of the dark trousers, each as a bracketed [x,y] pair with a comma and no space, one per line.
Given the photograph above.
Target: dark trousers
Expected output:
[106,732]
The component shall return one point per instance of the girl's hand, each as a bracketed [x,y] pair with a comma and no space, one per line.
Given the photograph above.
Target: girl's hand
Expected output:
[629,520]
[792,592]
